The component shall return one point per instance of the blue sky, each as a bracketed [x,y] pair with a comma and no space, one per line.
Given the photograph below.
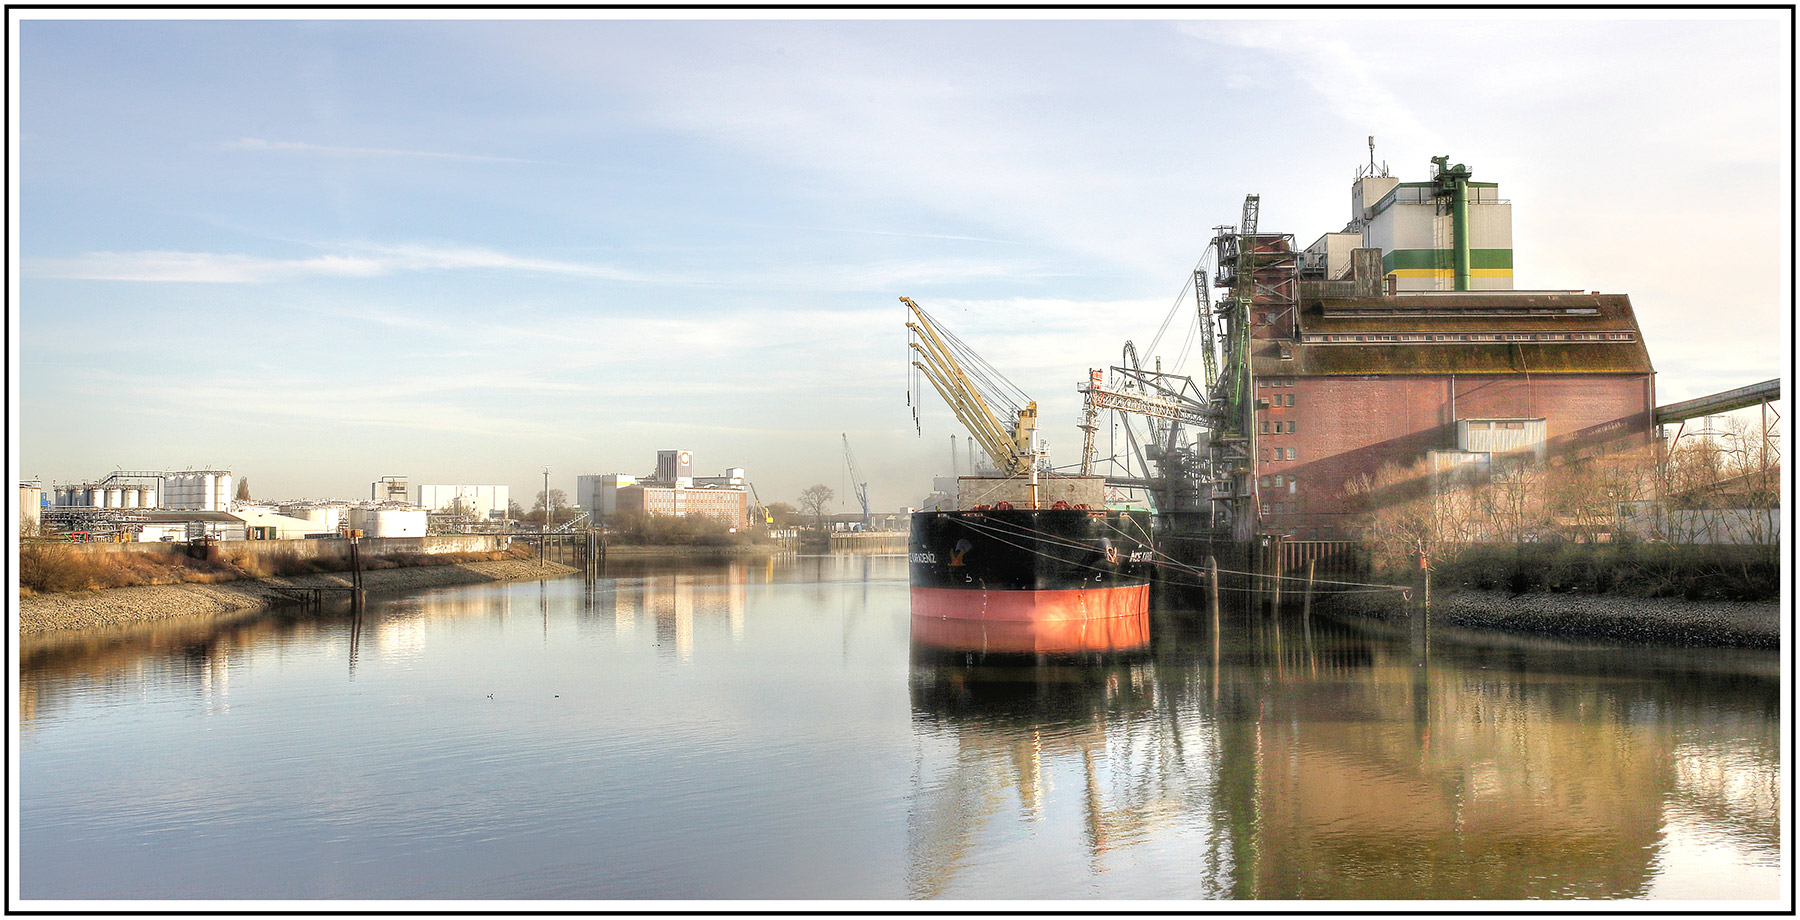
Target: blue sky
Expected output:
[318,252]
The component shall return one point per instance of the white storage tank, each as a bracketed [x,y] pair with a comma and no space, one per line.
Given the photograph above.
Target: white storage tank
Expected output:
[132,497]
[326,516]
[115,498]
[222,494]
[388,522]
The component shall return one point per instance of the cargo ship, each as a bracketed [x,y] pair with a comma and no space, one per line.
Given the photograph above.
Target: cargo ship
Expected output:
[1062,580]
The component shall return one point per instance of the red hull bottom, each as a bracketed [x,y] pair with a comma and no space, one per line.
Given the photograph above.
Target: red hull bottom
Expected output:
[1112,619]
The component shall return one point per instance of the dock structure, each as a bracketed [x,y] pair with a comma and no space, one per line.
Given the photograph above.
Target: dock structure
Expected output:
[1762,393]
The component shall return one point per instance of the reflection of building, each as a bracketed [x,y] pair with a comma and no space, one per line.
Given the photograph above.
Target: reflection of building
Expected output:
[672,603]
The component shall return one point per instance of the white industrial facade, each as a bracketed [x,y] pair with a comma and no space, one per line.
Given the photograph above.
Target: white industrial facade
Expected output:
[1412,225]
[599,492]
[485,502]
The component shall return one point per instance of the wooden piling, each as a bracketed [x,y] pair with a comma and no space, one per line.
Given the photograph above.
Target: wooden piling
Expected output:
[1212,581]
[1306,602]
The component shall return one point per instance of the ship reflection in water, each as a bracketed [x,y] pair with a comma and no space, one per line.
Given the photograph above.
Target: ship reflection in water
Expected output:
[1327,763]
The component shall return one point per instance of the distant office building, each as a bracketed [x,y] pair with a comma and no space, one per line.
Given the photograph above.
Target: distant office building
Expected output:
[727,505]
[479,502]
[389,489]
[675,466]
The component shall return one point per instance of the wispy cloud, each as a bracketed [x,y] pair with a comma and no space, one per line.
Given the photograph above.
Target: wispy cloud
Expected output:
[258,144]
[359,261]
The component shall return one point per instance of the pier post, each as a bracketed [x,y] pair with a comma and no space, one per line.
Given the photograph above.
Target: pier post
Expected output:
[356,570]
[1275,577]
[1212,582]
[1306,603]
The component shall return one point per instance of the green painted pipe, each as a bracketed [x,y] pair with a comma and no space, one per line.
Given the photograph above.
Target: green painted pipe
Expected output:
[1459,230]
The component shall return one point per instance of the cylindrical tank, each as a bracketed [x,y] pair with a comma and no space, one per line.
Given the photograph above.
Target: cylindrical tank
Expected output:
[222,495]
[131,497]
[115,498]
[208,493]
[150,498]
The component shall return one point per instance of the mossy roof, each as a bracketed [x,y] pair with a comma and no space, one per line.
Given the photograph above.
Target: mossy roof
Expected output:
[1462,313]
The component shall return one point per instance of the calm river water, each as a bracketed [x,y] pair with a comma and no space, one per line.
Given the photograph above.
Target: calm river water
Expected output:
[764,731]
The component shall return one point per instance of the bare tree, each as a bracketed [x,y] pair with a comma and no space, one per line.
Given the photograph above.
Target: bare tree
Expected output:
[813,501]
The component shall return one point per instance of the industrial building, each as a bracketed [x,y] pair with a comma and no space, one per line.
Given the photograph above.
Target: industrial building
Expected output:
[599,492]
[487,503]
[186,490]
[1400,340]
[674,491]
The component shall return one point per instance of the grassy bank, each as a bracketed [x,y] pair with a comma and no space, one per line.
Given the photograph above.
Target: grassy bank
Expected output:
[1647,570]
[51,569]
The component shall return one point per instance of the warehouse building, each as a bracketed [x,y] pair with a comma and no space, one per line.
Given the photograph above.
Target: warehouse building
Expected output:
[1382,347]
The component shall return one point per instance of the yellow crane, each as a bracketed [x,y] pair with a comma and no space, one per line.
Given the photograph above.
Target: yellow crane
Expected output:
[971,387]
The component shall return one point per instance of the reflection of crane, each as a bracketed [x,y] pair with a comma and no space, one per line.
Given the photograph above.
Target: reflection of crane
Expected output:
[972,388]
[856,481]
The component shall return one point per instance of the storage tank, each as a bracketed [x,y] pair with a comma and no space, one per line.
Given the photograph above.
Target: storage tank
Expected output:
[115,498]
[388,522]
[208,487]
[222,494]
[326,516]
[132,497]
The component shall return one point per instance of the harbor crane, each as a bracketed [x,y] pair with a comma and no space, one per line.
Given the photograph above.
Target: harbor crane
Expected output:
[857,483]
[972,388]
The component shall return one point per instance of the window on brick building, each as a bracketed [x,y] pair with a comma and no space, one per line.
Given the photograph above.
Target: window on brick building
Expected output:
[1265,426]
[1290,427]
[1293,486]
[1293,454]
[1290,400]
[1264,482]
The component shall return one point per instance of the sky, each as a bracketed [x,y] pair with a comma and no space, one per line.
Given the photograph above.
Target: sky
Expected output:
[320,251]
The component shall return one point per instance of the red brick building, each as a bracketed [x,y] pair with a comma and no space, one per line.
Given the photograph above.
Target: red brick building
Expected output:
[1348,378]
[727,505]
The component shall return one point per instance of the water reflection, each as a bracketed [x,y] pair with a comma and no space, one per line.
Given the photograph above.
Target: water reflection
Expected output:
[766,729]
[670,604]
[1313,760]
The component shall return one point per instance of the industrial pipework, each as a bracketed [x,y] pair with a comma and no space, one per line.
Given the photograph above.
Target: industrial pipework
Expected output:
[1454,181]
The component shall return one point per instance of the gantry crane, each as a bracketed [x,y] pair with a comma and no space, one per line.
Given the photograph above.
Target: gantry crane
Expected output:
[972,388]
[856,481]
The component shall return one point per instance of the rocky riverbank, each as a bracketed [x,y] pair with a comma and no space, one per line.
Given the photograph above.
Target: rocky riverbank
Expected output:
[1664,621]
[119,606]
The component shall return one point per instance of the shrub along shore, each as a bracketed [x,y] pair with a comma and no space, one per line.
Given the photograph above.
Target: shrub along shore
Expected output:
[65,591]
[42,613]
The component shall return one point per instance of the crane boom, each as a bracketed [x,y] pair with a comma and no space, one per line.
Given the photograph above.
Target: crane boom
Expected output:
[856,481]
[1012,447]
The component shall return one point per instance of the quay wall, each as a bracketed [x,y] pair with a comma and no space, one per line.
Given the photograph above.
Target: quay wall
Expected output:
[870,543]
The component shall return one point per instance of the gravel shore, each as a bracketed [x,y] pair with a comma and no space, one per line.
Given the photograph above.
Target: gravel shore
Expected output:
[119,606]
[1665,621]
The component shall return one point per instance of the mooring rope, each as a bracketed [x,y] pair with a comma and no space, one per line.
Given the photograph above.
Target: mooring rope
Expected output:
[1165,562]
